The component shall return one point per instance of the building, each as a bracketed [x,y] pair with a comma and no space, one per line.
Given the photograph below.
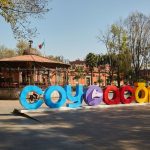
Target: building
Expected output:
[29,69]
[79,73]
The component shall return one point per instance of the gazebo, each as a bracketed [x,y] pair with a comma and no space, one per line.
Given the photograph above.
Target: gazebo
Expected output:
[30,69]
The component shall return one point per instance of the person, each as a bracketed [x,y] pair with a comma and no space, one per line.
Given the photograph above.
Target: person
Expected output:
[33,97]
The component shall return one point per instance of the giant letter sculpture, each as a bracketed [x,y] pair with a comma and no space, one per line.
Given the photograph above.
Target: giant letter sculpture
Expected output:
[77,99]
[48,99]
[23,97]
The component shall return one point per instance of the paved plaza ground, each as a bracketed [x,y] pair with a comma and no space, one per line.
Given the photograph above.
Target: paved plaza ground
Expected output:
[123,128]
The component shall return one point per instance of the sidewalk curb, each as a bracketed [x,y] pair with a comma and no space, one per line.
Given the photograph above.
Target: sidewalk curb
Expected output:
[102,106]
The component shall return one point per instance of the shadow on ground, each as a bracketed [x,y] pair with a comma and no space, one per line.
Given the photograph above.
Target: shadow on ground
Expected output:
[94,129]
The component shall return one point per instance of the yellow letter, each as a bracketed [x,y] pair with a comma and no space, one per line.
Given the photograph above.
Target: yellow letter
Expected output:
[141,93]
[148,94]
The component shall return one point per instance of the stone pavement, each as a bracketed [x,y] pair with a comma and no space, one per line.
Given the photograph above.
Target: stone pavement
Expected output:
[124,128]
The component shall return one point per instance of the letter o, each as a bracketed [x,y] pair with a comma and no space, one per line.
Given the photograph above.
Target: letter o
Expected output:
[24,94]
[48,100]
[96,99]
[129,99]
[144,97]
[116,96]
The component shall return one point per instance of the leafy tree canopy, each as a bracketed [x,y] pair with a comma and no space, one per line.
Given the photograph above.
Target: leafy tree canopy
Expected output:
[91,60]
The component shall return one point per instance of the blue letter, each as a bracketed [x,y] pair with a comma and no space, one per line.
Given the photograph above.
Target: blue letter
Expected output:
[23,97]
[48,100]
[77,99]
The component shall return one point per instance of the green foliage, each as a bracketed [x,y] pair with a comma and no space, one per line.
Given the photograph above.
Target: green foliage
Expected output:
[118,56]
[91,60]
[100,80]
[129,40]
[79,73]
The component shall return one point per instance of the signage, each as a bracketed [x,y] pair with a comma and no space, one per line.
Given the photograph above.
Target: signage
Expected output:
[92,96]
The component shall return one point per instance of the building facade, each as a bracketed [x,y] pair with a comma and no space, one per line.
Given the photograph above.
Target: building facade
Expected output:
[79,73]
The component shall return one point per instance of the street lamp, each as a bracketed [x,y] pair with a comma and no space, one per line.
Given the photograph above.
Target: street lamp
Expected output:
[30,43]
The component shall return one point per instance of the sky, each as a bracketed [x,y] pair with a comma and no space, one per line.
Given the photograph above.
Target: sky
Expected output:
[71,28]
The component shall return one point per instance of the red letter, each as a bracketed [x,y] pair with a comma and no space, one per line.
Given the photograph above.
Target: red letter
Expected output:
[116,95]
[122,96]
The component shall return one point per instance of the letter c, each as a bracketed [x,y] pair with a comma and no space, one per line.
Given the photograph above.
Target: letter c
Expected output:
[23,97]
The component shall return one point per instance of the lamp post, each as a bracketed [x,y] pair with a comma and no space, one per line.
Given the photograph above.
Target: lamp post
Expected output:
[31,78]
[30,45]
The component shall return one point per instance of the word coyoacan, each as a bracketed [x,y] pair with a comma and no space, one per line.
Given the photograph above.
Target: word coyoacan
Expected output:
[93,95]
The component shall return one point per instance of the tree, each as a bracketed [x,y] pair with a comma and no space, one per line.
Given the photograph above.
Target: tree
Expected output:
[118,46]
[91,62]
[19,12]
[5,52]
[137,26]
[111,60]
[79,73]
[56,58]
[101,62]
[21,46]
[131,43]
[119,57]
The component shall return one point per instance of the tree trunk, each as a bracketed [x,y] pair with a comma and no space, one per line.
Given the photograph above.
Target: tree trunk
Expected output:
[99,76]
[118,76]
[91,76]
[137,75]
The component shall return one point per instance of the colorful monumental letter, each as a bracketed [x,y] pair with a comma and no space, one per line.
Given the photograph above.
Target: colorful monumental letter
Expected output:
[93,95]
[77,99]
[64,94]
[48,99]
[141,93]
[23,97]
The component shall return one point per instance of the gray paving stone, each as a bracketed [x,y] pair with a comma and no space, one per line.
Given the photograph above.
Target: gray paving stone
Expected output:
[117,128]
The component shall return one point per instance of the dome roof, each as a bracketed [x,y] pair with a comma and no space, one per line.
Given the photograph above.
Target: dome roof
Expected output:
[30,51]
